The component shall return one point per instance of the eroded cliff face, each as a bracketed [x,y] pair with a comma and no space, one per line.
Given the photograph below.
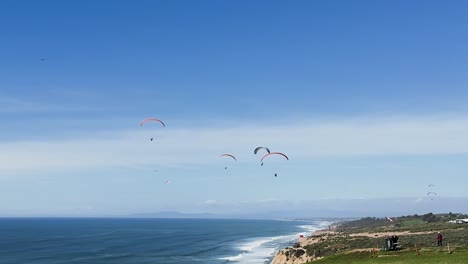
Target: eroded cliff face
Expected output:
[292,256]
[297,254]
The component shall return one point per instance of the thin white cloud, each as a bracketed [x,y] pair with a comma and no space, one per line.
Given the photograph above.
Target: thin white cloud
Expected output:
[301,141]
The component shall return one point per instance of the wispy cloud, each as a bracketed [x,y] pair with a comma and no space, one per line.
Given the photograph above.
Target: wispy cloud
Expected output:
[302,141]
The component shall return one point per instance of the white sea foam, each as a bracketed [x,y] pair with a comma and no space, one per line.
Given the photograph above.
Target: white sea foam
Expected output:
[311,228]
[262,249]
[234,258]
[259,250]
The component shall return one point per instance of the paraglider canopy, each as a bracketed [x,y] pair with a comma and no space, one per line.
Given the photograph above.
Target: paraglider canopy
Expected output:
[259,148]
[274,153]
[152,119]
[431,195]
[228,155]
[271,154]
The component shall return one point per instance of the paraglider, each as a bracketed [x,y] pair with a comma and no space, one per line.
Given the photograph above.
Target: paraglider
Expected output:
[431,195]
[259,148]
[271,154]
[151,119]
[228,155]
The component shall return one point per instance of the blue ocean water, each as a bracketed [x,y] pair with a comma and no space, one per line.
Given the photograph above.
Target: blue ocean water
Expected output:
[155,241]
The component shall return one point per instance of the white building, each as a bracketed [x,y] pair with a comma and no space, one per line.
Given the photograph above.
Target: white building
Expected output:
[459,221]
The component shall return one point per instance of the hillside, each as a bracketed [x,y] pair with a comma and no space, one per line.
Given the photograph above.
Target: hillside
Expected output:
[364,239]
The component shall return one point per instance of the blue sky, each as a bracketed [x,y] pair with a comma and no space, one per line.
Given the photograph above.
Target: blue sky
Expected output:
[361,95]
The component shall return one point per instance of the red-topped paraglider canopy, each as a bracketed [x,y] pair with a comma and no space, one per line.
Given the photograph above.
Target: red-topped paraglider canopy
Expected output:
[152,119]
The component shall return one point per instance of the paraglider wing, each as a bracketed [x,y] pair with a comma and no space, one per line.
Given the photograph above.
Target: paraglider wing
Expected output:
[228,155]
[431,195]
[274,153]
[152,119]
[259,148]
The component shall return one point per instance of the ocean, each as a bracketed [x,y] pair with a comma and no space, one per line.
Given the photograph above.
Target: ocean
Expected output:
[155,241]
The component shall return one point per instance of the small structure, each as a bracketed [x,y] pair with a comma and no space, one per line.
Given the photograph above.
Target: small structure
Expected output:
[459,221]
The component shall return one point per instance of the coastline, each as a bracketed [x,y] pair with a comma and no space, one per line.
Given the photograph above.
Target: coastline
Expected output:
[402,236]
[297,254]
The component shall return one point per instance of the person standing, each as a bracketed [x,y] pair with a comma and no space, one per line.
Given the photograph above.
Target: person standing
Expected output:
[439,239]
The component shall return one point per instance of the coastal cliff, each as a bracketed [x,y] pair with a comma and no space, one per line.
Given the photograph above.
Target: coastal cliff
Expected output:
[299,253]
[368,238]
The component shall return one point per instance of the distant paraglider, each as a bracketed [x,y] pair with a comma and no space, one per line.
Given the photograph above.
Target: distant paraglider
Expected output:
[273,154]
[259,148]
[228,155]
[151,119]
[431,195]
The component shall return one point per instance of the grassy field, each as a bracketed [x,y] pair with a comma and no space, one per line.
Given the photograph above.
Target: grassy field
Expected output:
[358,235]
[459,256]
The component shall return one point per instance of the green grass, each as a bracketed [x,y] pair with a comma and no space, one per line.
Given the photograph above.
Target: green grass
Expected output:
[407,257]
[422,233]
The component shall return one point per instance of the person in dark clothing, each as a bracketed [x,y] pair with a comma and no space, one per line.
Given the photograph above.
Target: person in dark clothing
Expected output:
[439,239]
[395,242]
